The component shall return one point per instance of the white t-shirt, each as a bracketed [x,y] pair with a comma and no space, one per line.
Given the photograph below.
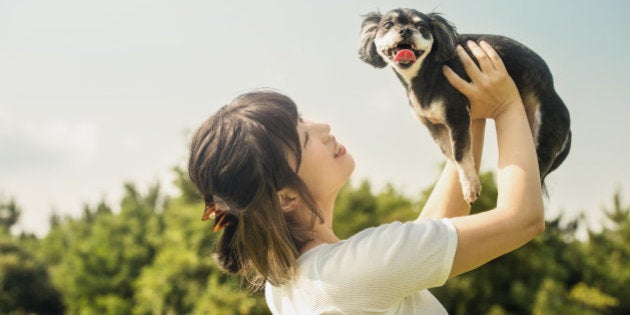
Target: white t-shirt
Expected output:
[385,270]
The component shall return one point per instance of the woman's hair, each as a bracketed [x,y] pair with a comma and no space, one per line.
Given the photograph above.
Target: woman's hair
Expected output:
[240,155]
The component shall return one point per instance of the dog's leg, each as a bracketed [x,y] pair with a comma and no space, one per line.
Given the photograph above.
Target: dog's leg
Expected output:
[463,157]
[456,146]
[551,131]
[441,136]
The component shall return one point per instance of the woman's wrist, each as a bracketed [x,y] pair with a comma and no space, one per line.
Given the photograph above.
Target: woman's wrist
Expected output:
[510,108]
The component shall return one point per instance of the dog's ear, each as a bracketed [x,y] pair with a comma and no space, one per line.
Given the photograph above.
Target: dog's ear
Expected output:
[367,51]
[444,37]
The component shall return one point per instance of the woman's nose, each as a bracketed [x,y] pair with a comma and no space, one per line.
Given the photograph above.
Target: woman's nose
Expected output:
[323,128]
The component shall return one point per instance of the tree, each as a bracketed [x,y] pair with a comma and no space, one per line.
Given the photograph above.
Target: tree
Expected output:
[97,258]
[605,259]
[24,283]
[358,208]
[9,215]
[355,209]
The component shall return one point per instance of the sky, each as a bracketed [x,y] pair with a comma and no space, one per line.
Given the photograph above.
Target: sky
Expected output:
[94,94]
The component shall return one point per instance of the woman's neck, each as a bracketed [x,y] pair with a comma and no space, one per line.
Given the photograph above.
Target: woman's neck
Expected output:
[321,234]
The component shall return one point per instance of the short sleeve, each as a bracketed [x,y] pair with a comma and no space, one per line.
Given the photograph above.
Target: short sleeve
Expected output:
[378,267]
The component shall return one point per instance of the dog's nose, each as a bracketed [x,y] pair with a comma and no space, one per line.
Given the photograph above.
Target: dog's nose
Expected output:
[405,32]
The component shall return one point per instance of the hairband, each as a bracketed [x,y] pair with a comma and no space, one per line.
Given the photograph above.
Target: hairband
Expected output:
[217,209]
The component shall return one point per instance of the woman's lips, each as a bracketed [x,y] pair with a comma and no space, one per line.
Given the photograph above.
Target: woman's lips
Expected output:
[339,148]
[341,151]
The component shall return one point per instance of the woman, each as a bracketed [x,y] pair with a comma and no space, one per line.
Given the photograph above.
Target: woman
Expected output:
[270,179]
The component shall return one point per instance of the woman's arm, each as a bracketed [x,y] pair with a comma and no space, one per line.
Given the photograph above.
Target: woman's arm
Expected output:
[446,199]
[519,215]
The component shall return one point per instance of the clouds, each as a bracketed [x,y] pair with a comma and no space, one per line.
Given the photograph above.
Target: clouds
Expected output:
[29,145]
[42,161]
[51,165]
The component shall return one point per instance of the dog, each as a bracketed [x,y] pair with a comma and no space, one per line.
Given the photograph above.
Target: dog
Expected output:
[417,45]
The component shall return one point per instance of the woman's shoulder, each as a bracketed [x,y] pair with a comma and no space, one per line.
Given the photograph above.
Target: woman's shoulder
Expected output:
[395,238]
[397,230]
[408,256]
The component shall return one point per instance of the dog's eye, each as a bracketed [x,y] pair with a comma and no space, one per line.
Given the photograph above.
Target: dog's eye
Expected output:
[420,26]
[388,25]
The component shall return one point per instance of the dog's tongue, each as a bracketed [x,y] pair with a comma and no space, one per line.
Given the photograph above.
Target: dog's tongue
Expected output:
[405,55]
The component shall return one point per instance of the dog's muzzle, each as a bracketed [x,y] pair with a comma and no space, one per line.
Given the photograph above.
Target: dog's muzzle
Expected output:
[404,54]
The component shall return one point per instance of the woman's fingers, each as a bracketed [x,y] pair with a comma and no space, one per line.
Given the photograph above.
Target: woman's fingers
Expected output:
[494,57]
[485,64]
[456,81]
[469,65]
[474,72]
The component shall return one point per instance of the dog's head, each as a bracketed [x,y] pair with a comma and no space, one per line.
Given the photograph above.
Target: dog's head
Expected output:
[393,37]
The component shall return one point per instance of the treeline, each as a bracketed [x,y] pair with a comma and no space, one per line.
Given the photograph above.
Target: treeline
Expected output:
[153,257]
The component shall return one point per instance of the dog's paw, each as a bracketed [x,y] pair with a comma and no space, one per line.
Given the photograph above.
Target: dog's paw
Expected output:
[471,189]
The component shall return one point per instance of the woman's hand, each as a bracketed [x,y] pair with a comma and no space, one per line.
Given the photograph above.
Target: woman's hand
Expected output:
[492,89]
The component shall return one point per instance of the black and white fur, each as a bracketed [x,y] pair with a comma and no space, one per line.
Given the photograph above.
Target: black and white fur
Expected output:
[443,109]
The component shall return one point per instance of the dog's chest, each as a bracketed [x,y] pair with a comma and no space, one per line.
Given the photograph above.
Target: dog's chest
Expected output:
[433,111]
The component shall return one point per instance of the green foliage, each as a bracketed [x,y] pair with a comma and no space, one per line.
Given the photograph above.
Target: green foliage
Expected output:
[188,190]
[153,257]
[358,208]
[606,256]
[24,283]
[95,259]
[9,215]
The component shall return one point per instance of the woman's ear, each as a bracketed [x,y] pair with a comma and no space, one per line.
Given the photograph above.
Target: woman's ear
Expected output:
[288,198]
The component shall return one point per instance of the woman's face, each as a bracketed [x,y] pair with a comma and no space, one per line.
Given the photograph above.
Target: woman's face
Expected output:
[325,165]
